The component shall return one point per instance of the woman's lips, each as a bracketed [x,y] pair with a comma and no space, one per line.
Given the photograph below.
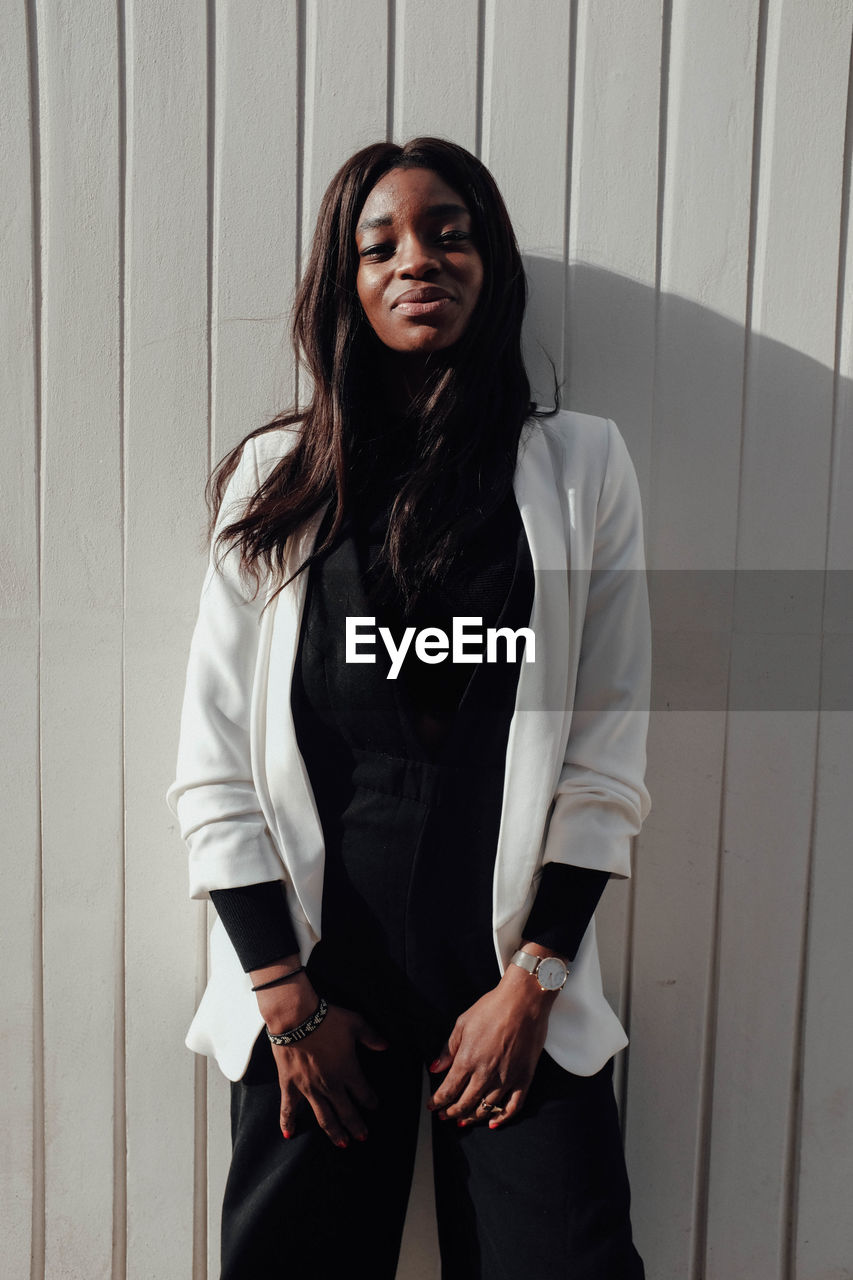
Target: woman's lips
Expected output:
[423,301]
[422,308]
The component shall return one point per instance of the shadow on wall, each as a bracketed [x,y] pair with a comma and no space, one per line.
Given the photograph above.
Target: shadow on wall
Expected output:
[750,558]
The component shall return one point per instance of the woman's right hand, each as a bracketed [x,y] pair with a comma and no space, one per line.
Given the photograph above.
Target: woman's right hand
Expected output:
[323,1068]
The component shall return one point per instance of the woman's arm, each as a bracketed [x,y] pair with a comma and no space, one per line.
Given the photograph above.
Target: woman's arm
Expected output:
[600,799]
[213,795]
[223,825]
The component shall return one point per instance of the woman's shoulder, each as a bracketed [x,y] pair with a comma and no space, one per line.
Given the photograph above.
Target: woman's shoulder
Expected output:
[258,455]
[583,430]
[578,439]
[273,444]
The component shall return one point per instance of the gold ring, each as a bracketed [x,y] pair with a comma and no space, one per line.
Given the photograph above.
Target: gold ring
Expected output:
[489,1106]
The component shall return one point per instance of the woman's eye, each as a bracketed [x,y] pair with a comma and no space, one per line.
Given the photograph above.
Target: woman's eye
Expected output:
[377,251]
[448,236]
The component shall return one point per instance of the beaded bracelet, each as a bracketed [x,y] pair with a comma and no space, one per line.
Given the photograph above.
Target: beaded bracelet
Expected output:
[304,1029]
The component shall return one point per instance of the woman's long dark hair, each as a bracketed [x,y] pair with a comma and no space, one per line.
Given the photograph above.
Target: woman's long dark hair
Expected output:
[467,420]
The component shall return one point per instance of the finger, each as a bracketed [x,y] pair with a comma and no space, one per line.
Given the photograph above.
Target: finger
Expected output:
[442,1062]
[490,1105]
[327,1119]
[511,1107]
[464,1109]
[453,1085]
[349,1116]
[287,1117]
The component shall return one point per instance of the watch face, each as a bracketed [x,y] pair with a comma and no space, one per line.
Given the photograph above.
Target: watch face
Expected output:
[551,973]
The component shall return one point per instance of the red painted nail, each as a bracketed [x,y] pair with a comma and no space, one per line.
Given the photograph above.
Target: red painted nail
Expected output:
[287,1133]
[494,1124]
[341,1143]
[433,1066]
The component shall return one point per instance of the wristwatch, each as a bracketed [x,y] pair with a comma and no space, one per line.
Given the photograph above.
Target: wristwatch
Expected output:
[550,971]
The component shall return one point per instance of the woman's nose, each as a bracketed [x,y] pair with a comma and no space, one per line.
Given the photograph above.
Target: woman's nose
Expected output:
[417,258]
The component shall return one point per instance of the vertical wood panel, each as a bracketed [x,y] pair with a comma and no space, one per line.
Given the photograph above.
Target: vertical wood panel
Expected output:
[766,837]
[692,517]
[256,204]
[823,1245]
[165,463]
[824,1228]
[525,144]
[612,233]
[346,69]
[217,1096]
[609,330]
[81,628]
[19,585]
[704,271]
[419,1256]
[436,41]
[673,937]
[771,755]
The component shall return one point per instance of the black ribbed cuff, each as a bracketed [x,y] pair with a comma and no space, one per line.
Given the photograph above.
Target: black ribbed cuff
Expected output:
[565,900]
[258,923]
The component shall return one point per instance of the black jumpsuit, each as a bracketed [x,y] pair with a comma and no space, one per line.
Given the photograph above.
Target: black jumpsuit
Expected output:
[410,838]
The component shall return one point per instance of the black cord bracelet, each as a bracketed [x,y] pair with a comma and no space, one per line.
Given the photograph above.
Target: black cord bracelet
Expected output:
[275,982]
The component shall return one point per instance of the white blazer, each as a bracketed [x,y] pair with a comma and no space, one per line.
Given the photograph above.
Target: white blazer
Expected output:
[573,784]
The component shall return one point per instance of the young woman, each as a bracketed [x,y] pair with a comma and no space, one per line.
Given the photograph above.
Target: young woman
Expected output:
[412,753]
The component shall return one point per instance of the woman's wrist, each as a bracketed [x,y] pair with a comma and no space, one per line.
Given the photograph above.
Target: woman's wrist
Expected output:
[288,1003]
[275,970]
[524,986]
[283,1008]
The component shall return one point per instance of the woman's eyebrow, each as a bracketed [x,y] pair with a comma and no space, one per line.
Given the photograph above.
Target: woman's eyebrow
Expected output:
[434,211]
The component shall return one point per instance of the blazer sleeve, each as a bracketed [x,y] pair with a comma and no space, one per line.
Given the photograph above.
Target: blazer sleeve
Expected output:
[600,800]
[213,795]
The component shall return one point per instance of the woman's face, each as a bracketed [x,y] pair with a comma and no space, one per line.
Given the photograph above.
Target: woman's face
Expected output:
[419,271]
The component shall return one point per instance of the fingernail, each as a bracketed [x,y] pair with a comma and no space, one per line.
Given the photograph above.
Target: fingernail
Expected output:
[433,1066]
[361,1137]
[494,1124]
[287,1133]
[341,1142]
[430,1106]
[442,1115]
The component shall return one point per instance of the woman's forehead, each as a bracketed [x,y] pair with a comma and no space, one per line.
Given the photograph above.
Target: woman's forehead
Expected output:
[401,192]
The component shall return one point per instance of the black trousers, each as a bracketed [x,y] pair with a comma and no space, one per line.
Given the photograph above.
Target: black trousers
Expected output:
[544,1197]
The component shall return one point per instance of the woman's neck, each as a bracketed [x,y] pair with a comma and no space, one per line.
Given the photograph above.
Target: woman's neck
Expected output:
[403,378]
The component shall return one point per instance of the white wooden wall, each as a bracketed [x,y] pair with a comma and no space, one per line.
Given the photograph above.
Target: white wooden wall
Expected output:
[679,177]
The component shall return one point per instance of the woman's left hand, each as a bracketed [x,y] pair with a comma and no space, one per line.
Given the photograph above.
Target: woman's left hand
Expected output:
[493,1051]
